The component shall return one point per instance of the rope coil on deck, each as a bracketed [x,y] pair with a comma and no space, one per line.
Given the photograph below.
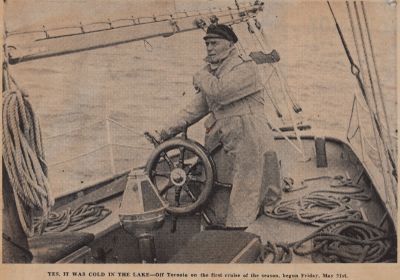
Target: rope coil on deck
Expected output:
[346,241]
[72,220]
[23,157]
[280,253]
[343,187]
[343,241]
[314,208]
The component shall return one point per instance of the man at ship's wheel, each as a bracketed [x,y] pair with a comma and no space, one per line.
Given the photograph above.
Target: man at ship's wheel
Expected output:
[230,91]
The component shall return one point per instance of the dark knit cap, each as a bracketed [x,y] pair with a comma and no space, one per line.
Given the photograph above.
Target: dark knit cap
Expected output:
[221,31]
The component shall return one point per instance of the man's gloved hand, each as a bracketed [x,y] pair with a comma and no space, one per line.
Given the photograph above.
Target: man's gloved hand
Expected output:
[275,56]
[156,137]
[199,78]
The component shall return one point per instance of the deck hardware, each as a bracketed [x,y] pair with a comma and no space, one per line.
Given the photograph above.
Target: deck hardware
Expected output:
[257,23]
[81,27]
[200,23]
[320,150]
[110,24]
[142,211]
[45,32]
[214,19]
[271,179]
[249,27]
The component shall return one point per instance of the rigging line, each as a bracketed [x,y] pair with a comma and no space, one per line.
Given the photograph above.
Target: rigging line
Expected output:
[73,130]
[5,64]
[265,85]
[377,118]
[355,70]
[269,123]
[350,121]
[286,97]
[357,104]
[79,156]
[6,76]
[96,150]
[362,74]
[124,126]
[264,45]
[132,147]
[367,62]
[92,125]
[376,71]
[356,43]
[370,145]
[362,105]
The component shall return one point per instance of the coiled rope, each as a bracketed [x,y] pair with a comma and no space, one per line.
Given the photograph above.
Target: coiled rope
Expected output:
[314,209]
[72,220]
[279,252]
[346,241]
[23,157]
[343,187]
[343,241]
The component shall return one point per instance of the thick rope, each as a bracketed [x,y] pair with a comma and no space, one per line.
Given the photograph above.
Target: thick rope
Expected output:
[322,206]
[340,241]
[23,157]
[346,241]
[71,220]
[341,186]
[314,209]
[279,252]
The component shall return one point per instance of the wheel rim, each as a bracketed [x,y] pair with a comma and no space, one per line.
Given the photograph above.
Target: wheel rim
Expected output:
[178,167]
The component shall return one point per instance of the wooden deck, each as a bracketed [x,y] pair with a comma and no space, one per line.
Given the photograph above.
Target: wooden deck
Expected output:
[340,162]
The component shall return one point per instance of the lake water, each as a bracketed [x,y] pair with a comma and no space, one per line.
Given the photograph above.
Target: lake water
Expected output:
[139,86]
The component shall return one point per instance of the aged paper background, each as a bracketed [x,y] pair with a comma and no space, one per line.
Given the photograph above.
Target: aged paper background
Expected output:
[132,83]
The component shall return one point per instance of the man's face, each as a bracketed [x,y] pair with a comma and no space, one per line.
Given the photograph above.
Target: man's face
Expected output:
[216,48]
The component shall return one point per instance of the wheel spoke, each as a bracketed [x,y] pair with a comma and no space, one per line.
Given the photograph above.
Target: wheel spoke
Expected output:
[194,166]
[178,190]
[196,179]
[165,188]
[165,174]
[168,160]
[190,194]
[181,156]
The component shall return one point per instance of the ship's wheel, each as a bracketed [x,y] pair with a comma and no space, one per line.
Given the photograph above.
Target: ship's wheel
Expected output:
[183,172]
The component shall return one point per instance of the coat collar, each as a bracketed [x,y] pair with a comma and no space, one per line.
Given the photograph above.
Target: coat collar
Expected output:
[227,64]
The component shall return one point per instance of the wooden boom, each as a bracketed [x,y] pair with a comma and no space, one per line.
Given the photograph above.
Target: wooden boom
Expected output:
[37,44]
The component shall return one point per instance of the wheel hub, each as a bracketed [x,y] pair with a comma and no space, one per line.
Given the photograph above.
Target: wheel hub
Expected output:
[178,177]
